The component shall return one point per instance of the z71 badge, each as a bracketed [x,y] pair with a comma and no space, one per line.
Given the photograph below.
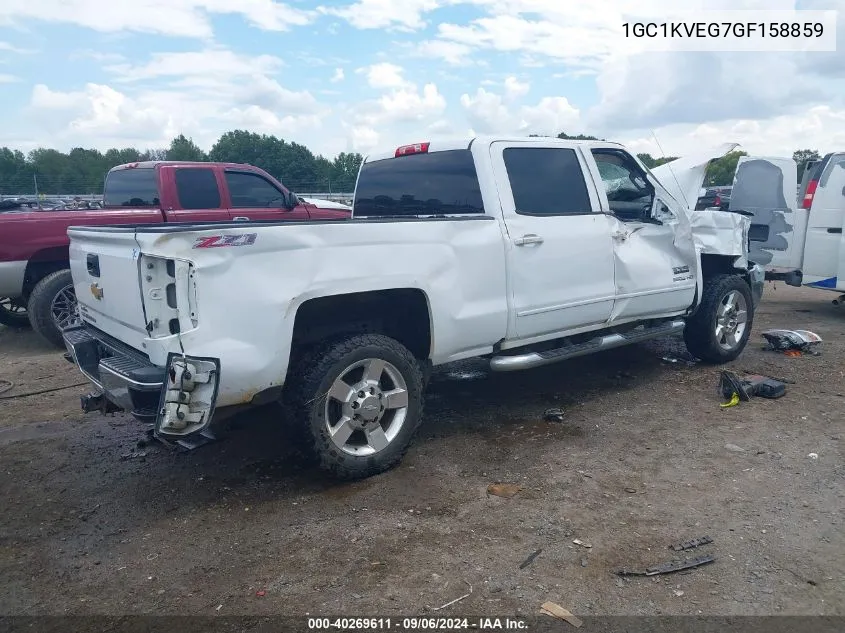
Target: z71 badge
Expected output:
[216,241]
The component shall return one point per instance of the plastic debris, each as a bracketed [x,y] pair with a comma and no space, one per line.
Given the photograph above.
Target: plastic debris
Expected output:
[530,558]
[503,490]
[261,593]
[696,542]
[582,543]
[553,415]
[792,340]
[668,568]
[736,389]
[813,455]
[557,611]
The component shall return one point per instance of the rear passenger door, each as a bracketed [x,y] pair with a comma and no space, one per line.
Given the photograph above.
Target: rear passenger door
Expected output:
[254,197]
[824,252]
[560,251]
[195,194]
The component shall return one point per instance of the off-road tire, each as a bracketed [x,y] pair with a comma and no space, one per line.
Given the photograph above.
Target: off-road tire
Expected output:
[41,302]
[312,376]
[12,319]
[700,331]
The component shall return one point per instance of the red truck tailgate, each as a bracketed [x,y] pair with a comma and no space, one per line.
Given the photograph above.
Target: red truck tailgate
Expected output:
[104,265]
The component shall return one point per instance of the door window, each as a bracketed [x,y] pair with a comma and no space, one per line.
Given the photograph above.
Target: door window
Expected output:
[629,193]
[250,191]
[546,181]
[197,188]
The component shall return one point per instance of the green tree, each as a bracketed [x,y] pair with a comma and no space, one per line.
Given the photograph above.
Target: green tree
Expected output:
[182,148]
[651,162]
[720,172]
[802,156]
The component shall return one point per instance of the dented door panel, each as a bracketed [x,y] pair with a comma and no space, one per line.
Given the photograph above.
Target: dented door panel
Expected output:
[765,187]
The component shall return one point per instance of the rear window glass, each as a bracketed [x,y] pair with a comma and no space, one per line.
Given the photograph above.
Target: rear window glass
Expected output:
[197,188]
[131,188]
[419,184]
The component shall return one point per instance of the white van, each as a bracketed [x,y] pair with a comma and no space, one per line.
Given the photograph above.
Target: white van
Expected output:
[796,239]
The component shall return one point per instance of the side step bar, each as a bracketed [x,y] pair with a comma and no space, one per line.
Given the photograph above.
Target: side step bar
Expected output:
[530,360]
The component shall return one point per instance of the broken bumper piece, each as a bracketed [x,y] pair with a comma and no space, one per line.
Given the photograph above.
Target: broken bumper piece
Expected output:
[757,277]
[178,399]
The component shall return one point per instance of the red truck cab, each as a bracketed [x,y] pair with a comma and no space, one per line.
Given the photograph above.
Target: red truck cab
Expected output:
[35,281]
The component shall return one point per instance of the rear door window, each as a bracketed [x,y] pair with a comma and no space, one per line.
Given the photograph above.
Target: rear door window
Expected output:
[436,183]
[136,187]
[197,188]
[546,181]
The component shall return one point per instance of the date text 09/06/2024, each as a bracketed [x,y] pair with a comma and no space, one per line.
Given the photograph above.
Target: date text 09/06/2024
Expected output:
[417,624]
[702,30]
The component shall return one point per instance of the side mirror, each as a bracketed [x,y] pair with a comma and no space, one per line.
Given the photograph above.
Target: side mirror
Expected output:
[291,200]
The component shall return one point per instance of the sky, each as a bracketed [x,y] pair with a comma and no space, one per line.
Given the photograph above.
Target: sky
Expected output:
[369,75]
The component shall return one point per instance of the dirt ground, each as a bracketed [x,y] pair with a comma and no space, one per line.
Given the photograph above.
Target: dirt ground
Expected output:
[94,523]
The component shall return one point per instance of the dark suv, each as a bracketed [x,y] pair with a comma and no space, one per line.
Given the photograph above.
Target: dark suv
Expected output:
[718,197]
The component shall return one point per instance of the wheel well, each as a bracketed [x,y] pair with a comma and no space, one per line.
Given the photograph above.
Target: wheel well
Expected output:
[712,265]
[402,314]
[43,263]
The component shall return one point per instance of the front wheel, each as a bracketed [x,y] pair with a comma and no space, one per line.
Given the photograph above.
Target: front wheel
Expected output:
[13,312]
[358,402]
[719,329]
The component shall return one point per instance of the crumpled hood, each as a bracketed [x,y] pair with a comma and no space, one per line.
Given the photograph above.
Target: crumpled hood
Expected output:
[683,178]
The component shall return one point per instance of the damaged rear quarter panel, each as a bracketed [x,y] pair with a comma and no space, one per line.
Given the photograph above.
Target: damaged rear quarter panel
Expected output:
[247,296]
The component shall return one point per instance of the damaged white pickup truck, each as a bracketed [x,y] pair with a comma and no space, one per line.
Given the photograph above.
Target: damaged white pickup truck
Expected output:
[522,251]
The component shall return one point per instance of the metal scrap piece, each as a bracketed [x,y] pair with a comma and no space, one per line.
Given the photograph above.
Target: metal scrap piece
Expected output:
[696,542]
[668,568]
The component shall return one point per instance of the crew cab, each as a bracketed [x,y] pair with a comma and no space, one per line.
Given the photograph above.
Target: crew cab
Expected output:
[522,251]
[35,279]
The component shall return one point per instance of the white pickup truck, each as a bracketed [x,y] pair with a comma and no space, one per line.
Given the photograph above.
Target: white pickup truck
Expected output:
[522,251]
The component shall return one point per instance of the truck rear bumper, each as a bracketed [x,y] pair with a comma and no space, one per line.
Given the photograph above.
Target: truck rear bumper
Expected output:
[179,398]
[126,378]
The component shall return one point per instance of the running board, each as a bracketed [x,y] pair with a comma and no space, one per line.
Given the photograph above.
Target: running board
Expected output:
[609,341]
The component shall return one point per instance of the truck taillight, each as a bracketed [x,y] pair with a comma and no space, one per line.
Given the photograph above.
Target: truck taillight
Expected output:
[808,196]
[416,148]
[718,201]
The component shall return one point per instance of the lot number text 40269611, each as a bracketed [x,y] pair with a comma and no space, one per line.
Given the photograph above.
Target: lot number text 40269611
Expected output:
[416,624]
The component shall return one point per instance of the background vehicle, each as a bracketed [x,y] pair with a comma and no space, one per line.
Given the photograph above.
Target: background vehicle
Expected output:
[796,240]
[522,251]
[35,279]
[718,197]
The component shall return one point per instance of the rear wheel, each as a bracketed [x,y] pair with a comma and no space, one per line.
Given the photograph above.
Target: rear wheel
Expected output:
[13,312]
[358,402]
[52,306]
[719,330]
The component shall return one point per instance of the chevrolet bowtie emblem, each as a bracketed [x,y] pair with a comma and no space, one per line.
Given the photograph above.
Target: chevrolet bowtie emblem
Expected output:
[97,292]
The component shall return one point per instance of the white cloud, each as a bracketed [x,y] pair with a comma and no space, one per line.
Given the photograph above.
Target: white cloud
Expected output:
[10,48]
[385,75]
[488,113]
[381,14]
[453,53]
[205,63]
[514,89]
[338,75]
[8,79]
[408,104]
[186,18]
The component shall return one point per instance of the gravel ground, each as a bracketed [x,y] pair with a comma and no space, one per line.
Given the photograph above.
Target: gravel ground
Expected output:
[95,523]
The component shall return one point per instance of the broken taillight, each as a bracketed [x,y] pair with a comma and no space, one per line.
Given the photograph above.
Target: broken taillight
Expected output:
[416,148]
[808,196]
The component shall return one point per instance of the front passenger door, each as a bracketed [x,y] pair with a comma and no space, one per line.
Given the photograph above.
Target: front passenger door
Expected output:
[253,197]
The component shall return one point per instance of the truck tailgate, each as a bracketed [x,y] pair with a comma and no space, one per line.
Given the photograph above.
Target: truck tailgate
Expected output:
[104,264]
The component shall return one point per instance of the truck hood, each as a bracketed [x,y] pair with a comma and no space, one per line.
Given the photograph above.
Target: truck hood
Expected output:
[683,178]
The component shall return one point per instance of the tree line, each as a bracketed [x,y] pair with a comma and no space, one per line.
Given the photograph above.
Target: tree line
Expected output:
[82,171]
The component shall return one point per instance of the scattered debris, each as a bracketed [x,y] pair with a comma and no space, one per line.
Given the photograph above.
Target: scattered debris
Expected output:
[792,340]
[467,595]
[620,583]
[736,389]
[677,593]
[133,455]
[813,455]
[530,558]
[557,611]
[582,543]
[674,360]
[261,593]
[696,542]
[668,568]
[553,415]
[632,491]
[503,490]
[584,562]
[733,448]
[585,474]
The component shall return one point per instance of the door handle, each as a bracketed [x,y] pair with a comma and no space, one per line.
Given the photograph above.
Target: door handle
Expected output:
[241,218]
[529,238]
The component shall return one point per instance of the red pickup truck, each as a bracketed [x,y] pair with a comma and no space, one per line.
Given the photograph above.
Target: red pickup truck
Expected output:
[35,280]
